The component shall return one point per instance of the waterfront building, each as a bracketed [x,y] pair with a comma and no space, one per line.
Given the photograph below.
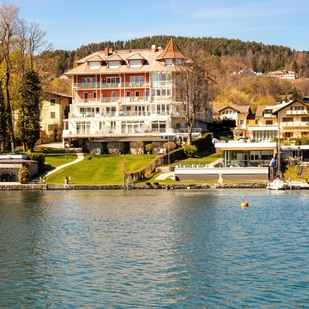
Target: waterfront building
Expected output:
[247,154]
[10,165]
[125,96]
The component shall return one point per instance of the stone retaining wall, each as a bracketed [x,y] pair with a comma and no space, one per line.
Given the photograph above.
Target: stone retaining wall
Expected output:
[155,185]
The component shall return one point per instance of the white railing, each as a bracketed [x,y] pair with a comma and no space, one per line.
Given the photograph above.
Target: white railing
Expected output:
[119,114]
[99,85]
[296,112]
[294,124]
[126,100]
[269,116]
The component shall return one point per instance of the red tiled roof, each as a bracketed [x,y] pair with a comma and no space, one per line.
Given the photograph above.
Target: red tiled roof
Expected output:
[95,58]
[136,56]
[171,51]
[114,57]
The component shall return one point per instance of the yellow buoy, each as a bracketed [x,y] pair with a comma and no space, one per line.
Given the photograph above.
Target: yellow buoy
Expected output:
[244,204]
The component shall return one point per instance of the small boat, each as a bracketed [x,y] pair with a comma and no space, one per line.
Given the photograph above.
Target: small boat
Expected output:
[277,184]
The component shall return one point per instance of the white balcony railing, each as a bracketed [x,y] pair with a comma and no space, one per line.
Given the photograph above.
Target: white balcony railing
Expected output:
[124,100]
[296,112]
[104,85]
[100,85]
[295,124]
[269,116]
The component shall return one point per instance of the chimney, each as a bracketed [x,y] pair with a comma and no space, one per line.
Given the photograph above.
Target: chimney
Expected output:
[106,52]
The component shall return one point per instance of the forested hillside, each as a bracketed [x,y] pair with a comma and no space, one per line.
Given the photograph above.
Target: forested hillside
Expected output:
[258,56]
[222,57]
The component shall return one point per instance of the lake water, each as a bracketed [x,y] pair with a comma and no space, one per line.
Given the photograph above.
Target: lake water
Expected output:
[154,249]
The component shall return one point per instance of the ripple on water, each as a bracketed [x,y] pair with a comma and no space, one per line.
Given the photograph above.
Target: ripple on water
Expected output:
[153,248]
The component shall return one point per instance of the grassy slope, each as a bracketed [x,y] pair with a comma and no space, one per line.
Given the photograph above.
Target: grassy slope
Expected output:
[56,159]
[200,160]
[104,169]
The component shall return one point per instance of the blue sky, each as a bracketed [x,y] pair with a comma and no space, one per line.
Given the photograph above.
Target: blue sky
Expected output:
[72,23]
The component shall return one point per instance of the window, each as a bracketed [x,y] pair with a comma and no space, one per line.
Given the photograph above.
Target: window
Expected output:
[94,95]
[269,122]
[52,102]
[161,79]
[94,65]
[52,115]
[168,62]
[113,81]
[113,126]
[158,126]
[52,127]
[83,127]
[137,81]
[287,119]
[88,82]
[113,64]
[135,63]
[114,96]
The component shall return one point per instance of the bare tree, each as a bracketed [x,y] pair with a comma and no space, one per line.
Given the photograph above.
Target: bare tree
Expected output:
[20,42]
[36,41]
[193,91]
[8,34]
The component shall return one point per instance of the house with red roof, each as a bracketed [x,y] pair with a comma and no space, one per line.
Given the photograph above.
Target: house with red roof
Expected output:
[125,96]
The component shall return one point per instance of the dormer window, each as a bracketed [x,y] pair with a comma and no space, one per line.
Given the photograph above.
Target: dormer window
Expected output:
[168,62]
[113,64]
[94,65]
[135,63]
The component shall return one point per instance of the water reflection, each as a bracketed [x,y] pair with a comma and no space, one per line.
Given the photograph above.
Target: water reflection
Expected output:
[154,248]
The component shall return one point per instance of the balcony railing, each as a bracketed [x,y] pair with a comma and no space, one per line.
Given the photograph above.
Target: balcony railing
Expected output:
[269,116]
[124,100]
[248,163]
[100,85]
[296,112]
[118,114]
[295,124]
[103,85]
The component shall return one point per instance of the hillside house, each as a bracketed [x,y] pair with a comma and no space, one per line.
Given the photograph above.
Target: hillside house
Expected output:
[239,113]
[283,74]
[54,110]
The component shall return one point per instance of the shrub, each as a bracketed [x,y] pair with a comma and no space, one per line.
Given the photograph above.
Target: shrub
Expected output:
[170,146]
[204,143]
[190,150]
[148,147]
[23,175]
[40,157]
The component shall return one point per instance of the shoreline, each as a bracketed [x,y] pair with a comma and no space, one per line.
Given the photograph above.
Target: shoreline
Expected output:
[150,186]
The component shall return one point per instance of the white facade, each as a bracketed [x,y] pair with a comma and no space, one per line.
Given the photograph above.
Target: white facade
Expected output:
[128,94]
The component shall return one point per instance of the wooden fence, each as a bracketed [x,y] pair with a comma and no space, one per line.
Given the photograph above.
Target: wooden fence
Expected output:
[145,171]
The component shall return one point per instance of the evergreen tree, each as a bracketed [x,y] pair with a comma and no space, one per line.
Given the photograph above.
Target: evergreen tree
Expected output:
[3,120]
[29,112]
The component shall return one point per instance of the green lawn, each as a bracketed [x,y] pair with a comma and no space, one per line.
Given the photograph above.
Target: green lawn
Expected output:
[103,169]
[200,160]
[52,160]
